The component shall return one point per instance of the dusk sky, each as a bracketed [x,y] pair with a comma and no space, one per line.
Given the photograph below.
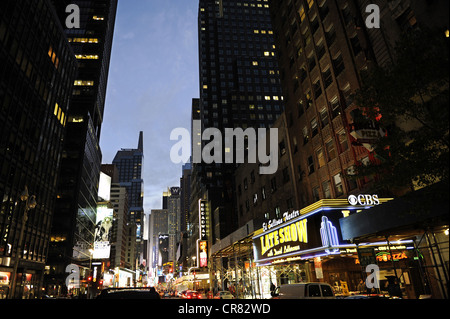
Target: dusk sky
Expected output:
[153,78]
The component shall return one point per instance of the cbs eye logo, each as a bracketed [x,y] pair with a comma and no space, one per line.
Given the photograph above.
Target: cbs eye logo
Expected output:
[352,200]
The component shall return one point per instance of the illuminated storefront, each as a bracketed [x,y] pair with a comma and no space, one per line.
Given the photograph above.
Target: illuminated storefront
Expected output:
[4,284]
[309,245]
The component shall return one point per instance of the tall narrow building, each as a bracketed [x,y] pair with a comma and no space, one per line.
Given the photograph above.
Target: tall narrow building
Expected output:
[239,88]
[75,212]
[36,79]
[129,163]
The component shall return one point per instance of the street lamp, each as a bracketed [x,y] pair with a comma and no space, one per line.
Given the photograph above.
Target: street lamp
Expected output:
[30,203]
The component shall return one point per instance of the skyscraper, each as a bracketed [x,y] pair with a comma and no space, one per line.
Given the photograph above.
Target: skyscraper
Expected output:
[36,79]
[174,213]
[129,163]
[80,170]
[185,203]
[239,88]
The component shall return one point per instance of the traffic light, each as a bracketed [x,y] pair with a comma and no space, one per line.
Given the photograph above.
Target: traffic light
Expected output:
[90,278]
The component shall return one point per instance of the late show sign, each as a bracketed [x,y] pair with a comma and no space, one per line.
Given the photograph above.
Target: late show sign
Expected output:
[302,235]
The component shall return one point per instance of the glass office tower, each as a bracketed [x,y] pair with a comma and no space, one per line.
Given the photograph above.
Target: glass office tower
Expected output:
[37,72]
[239,88]
[74,219]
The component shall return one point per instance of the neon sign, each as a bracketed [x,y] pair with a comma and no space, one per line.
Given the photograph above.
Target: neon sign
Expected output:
[329,235]
[386,256]
[284,239]
[275,222]
[202,219]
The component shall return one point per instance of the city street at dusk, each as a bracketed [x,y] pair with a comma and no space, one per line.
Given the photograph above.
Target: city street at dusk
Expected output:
[219,158]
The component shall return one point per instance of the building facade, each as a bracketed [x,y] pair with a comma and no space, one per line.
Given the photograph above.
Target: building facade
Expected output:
[158,243]
[239,88]
[185,205]
[75,212]
[37,72]
[129,163]
[173,221]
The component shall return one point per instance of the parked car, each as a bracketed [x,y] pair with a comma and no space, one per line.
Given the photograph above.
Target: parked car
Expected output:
[224,295]
[310,290]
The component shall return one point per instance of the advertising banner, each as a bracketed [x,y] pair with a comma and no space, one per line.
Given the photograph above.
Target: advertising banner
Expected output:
[102,235]
[203,253]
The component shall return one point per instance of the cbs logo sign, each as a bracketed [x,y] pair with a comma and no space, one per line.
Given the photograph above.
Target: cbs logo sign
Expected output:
[363,200]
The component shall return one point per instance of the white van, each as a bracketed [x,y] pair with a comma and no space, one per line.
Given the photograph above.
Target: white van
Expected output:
[306,290]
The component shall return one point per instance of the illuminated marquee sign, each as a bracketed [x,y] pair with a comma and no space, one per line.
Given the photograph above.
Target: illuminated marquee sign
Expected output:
[299,235]
[202,219]
[275,222]
[283,240]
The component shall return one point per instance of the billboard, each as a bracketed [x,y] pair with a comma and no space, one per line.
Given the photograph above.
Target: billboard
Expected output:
[102,234]
[202,253]
[104,187]
[163,245]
